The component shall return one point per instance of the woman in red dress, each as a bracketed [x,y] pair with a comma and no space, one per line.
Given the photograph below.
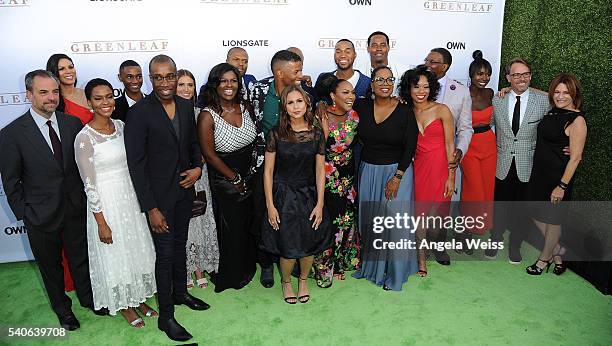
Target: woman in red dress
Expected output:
[434,180]
[478,164]
[72,100]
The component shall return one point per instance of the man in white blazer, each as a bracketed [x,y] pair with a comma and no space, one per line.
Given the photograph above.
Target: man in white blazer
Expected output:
[516,118]
[457,97]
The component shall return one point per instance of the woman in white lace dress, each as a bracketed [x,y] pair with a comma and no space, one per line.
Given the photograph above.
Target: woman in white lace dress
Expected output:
[202,245]
[121,251]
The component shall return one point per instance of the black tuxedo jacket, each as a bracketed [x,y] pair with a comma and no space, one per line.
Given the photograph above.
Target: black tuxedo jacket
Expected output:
[156,156]
[39,191]
[121,108]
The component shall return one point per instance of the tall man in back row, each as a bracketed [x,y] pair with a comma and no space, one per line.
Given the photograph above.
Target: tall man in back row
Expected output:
[164,160]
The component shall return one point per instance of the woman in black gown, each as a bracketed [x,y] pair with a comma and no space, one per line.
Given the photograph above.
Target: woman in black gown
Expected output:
[227,133]
[295,226]
[552,176]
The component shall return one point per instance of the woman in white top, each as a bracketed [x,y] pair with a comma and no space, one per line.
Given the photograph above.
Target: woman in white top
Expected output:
[227,134]
[202,246]
[121,251]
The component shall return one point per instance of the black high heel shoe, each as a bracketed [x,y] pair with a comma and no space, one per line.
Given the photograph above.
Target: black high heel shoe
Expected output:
[305,297]
[291,299]
[535,270]
[559,268]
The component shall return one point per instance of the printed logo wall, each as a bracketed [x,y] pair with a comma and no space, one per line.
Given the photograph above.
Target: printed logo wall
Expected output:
[99,34]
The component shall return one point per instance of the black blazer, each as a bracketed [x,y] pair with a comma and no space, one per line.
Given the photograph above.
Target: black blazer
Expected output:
[39,191]
[156,156]
[121,108]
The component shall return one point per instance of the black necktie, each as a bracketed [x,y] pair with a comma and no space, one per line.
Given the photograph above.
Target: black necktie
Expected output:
[516,116]
[55,143]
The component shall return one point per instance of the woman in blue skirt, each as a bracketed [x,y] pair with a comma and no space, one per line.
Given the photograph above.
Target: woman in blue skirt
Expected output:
[388,131]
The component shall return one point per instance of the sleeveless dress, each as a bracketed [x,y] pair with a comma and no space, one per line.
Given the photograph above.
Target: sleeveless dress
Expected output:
[83,113]
[431,171]
[478,172]
[122,273]
[340,196]
[202,245]
[295,196]
[234,146]
[549,164]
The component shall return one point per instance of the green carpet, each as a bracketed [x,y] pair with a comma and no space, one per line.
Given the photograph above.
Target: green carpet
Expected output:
[468,303]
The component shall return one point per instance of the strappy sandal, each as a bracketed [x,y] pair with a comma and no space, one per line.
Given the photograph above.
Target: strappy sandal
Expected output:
[291,299]
[150,312]
[137,322]
[303,298]
[202,283]
[189,283]
[422,273]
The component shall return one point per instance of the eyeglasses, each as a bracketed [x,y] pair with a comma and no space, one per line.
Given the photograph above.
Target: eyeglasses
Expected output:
[519,75]
[381,80]
[169,78]
[432,62]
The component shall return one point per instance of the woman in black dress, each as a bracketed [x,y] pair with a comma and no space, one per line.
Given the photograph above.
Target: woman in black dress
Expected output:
[227,133]
[295,226]
[552,176]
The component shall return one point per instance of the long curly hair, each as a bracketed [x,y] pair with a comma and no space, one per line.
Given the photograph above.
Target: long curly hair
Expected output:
[210,98]
[411,78]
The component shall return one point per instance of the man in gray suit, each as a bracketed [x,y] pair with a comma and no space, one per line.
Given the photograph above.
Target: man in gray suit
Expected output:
[457,97]
[516,118]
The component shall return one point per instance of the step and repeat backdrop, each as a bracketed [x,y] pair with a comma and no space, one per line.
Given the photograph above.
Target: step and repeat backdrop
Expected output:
[100,34]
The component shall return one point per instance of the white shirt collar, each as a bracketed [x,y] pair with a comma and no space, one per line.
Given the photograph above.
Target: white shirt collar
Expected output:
[523,96]
[42,121]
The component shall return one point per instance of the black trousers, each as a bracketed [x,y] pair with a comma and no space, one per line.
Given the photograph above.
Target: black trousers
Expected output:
[47,249]
[264,258]
[511,215]
[170,259]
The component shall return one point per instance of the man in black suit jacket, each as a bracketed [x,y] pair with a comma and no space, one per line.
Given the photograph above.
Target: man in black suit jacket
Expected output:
[130,74]
[165,160]
[44,189]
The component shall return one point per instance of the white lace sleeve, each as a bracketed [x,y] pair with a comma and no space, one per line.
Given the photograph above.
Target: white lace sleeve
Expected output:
[83,153]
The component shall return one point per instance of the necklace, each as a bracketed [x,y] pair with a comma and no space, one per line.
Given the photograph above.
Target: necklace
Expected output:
[228,110]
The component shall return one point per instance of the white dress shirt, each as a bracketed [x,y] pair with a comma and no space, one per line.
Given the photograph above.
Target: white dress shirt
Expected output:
[41,122]
[130,102]
[442,89]
[512,101]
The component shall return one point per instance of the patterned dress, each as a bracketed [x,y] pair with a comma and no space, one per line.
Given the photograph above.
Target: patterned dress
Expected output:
[340,198]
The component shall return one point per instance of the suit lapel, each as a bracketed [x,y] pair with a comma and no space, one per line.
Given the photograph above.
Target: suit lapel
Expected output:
[162,113]
[529,110]
[505,114]
[39,144]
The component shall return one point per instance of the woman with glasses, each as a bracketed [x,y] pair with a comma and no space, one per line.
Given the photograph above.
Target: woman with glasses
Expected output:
[227,134]
[552,175]
[202,248]
[388,131]
[72,99]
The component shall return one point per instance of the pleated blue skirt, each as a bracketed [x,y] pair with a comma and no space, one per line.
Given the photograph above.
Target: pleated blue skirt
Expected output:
[390,268]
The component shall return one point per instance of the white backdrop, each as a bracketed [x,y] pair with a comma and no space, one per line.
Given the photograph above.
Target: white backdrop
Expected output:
[99,34]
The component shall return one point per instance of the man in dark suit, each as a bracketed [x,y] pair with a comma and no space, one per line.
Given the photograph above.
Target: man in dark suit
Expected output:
[130,74]
[44,189]
[165,161]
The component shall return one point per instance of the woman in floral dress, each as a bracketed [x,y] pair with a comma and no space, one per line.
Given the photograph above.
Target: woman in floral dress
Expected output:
[340,128]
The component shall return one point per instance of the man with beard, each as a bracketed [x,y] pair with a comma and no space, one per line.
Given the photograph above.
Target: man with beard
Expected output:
[44,189]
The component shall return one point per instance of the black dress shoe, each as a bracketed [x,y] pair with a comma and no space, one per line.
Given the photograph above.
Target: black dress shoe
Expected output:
[191,302]
[69,322]
[514,256]
[174,330]
[443,258]
[267,277]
